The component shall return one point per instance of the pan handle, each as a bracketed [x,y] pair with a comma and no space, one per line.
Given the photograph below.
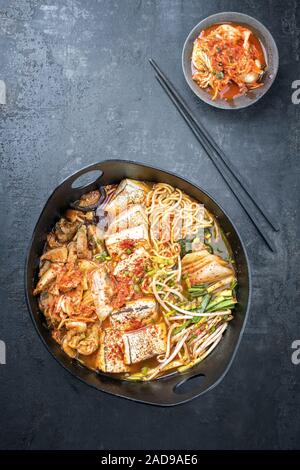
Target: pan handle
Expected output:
[190,385]
[181,388]
[79,175]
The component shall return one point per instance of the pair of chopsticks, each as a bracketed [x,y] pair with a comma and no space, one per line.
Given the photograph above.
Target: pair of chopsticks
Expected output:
[231,176]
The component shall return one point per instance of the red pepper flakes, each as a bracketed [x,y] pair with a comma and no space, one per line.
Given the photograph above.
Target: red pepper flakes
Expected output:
[134,325]
[127,244]
[116,352]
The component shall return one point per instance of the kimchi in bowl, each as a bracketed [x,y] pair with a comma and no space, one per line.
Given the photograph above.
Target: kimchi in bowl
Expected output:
[230,60]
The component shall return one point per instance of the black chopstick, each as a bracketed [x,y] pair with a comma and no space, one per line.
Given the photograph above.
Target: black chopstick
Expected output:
[210,141]
[229,182]
[240,198]
[220,166]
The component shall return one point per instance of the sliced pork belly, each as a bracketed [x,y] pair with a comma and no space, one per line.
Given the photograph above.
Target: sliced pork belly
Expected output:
[144,343]
[127,193]
[134,314]
[102,291]
[116,243]
[203,267]
[133,216]
[110,357]
[139,257]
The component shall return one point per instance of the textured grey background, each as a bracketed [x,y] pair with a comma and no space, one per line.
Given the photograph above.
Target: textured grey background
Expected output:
[79,89]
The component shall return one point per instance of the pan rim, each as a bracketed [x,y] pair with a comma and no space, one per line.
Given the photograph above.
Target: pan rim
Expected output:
[249,279]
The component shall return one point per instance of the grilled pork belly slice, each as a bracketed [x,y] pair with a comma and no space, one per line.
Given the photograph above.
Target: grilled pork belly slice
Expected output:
[102,291]
[137,312]
[133,216]
[139,257]
[127,193]
[110,357]
[144,343]
[116,243]
[203,267]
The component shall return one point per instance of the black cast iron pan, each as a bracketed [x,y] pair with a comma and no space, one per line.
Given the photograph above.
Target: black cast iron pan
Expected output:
[177,388]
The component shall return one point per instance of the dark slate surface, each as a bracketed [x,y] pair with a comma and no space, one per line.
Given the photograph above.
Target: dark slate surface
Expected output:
[79,89]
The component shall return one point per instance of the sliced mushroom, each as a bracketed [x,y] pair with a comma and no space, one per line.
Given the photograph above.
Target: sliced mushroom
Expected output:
[72,252]
[65,230]
[90,201]
[44,266]
[45,301]
[74,216]
[52,241]
[73,337]
[81,339]
[58,255]
[90,343]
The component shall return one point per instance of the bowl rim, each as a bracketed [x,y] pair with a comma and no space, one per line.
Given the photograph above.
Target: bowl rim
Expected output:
[247,20]
[91,167]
